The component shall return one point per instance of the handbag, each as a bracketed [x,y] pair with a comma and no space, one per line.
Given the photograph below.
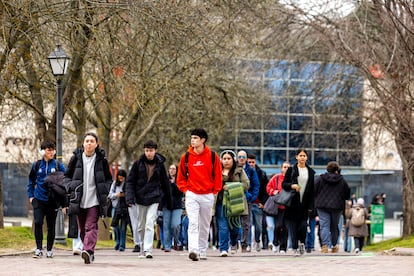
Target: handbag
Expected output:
[108,211]
[284,197]
[270,206]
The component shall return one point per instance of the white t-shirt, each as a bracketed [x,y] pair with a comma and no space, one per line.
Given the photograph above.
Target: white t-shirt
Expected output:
[89,198]
[302,180]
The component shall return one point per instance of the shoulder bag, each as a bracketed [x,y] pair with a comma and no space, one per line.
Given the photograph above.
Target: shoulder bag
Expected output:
[270,207]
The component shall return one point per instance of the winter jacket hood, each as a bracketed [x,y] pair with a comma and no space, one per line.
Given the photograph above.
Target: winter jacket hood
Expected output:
[332,178]
[331,191]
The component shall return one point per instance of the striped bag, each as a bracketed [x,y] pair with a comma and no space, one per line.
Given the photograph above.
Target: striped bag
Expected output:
[233,199]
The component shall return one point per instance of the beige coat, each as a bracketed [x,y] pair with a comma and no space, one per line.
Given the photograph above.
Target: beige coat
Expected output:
[359,231]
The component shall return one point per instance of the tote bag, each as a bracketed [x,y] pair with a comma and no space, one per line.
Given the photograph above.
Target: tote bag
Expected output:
[270,207]
[284,197]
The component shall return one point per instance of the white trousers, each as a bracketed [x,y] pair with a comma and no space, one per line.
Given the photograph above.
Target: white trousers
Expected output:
[77,244]
[147,215]
[133,216]
[199,209]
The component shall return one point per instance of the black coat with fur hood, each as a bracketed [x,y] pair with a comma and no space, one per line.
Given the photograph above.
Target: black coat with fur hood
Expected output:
[74,180]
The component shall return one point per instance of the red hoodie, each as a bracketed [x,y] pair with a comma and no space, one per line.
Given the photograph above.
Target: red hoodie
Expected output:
[275,184]
[200,176]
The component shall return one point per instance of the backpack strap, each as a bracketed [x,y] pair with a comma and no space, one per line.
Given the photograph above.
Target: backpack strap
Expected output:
[37,166]
[186,164]
[213,159]
[33,173]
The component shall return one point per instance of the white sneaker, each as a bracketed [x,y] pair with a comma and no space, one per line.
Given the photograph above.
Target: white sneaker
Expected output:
[203,256]
[49,254]
[248,248]
[223,253]
[357,251]
[275,249]
[233,249]
[37,254]
[270,246]
[282,252]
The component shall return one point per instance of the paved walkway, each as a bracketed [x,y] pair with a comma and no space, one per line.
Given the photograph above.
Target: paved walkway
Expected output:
[110,262]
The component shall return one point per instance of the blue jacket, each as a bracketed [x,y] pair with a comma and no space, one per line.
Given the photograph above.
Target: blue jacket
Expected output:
[36,187]
[253,191]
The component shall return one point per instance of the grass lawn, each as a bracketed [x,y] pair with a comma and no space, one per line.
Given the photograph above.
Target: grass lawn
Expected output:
[17,239]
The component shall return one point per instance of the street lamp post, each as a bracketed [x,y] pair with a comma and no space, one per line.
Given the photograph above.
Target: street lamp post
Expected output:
[59,62]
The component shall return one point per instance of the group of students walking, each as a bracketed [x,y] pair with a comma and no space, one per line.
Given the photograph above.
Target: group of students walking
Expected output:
[205,180]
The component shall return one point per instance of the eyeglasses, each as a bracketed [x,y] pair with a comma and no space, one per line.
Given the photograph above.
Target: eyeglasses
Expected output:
[241,157]
[285,167]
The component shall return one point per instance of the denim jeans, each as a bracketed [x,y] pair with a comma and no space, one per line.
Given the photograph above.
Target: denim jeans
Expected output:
[225,233]
[256,217]
[184,231]
[347,240]
[328,223]
[120,231]
[270,221]
[171,226]
[310,234]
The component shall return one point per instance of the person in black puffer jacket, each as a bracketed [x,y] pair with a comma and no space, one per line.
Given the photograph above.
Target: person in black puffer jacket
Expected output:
[331,191]
[146,185]
[88,180]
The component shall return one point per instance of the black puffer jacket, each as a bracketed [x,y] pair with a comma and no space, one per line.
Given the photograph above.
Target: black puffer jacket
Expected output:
[176,198]
[143,191]
[74,180]
[331,191]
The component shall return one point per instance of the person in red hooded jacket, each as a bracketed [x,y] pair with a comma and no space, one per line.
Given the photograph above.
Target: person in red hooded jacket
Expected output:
[199,178]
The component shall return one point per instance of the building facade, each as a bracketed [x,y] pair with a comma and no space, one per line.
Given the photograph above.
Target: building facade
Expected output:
[319,107]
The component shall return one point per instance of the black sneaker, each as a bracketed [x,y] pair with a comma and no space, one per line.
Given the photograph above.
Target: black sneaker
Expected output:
[86,256]
[137,248]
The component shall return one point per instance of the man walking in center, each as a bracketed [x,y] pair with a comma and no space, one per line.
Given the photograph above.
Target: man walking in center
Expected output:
[199,178]
[146,184]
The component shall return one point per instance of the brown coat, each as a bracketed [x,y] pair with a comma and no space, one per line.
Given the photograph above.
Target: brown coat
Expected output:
[359,231]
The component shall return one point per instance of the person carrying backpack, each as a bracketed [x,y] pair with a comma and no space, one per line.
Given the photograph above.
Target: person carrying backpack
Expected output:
[200,180]
[358,227]
[38,194]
